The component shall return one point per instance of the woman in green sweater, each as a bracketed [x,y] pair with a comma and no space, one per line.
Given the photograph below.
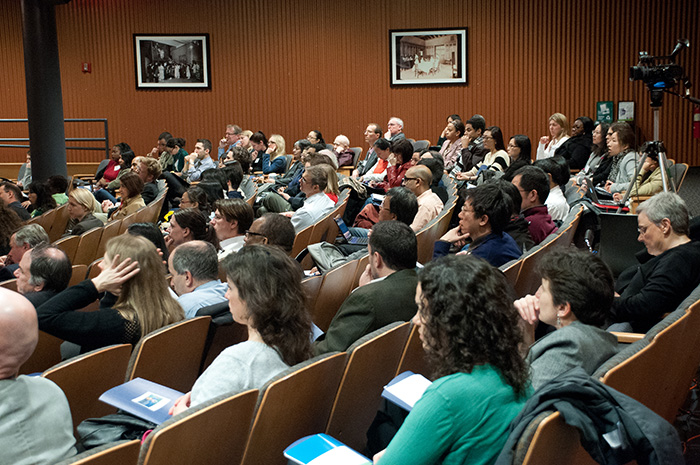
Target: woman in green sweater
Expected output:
[469,329]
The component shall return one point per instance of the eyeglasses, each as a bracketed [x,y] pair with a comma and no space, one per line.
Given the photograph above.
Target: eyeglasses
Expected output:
[406,178]
[253,233]
[303,179]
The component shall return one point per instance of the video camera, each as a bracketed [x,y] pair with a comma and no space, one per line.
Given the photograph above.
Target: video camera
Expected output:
[659,76]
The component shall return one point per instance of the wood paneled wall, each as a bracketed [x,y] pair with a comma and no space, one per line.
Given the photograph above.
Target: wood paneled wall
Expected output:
[288,67]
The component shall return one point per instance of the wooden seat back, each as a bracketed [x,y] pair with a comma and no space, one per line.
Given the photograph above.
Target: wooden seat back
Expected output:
[335,288]
[83,379]
[215,433]
[372,361]
[413,356]
[87,248]
[69,245]
[117,453]
[46,354]
[292,406]
[171,355]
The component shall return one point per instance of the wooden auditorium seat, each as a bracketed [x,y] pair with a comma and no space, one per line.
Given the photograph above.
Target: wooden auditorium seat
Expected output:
[117,453]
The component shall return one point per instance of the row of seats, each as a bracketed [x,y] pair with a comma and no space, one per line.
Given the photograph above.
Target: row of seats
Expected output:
[337,393]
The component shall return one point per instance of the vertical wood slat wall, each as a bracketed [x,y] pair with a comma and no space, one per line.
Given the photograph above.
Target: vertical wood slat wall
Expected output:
[288,67]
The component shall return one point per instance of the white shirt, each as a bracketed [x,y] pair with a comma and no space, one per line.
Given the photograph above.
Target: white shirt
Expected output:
[314,208]
[556,204]
[230,245]
[546,151]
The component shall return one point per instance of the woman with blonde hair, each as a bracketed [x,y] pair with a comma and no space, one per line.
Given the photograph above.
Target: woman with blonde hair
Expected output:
[558,134]
[137,299]
[274,160]
[81,206]
[332,189]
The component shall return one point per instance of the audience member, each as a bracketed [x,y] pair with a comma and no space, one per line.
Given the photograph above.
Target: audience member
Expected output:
[518,227]
[341,147]
[198,161]
[274,160]
[130,189]
[437,167]
[195,197]
[187,224]
[265,295]
[230,140]
[624,158]
[151,232]
[12,197]
[195,269]
[35,419]
[451,149]
[558,134]
[386,288]
[126,164]
[159,149]
[557,168]
[520,153]
[43,272]
[149,171]
[232,218]
[317,203]
[484,216]
[21,241]
[418,180]
[598,164]
[315,137]
[399,163]
[258,142]
[111,170]
[533,184]
[372,134]
[81,207]
[575,298]
[10,222]
[577,148]
[273,230]
[442,138]
[648,291]
[24,177]
[377,171]
[40,199]
[295,168]
[394,129]
[57,186]
[137,299]
[174,155]
[649,180]
[496,159]
[234,177]
[473,150]
[468,327]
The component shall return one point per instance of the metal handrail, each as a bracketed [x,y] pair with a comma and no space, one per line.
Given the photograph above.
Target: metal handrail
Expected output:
[104,139]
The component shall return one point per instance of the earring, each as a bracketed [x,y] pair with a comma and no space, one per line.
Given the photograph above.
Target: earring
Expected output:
[558,322]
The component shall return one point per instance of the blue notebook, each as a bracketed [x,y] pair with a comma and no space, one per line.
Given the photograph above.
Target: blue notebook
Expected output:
[321,449]
[142,398]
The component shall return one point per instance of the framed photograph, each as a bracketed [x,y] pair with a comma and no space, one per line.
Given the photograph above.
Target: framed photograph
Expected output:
[428,56]
[172,61]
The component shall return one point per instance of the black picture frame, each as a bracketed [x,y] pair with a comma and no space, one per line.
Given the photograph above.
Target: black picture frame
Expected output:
[172,61]
[428,56]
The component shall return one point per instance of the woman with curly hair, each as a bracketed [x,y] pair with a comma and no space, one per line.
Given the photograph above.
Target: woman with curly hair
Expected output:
[469,329]
[264,294]
[9,223]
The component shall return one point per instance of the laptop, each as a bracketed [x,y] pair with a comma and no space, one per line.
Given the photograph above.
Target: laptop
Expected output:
[349,237]
[607,205]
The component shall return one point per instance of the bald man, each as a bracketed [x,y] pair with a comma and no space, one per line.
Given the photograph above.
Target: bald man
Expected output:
[35,420]
[418,179]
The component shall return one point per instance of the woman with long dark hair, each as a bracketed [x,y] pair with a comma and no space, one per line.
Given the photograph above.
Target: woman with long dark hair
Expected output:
[520,153]
[40,198]
[266,296]
[470,333]
[495,160]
